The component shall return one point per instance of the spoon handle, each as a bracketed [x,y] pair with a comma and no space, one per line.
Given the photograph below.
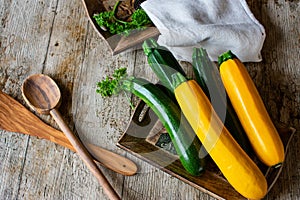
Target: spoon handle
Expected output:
[84,155]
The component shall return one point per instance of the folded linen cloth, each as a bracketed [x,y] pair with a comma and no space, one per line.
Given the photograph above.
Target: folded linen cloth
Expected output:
[216,25]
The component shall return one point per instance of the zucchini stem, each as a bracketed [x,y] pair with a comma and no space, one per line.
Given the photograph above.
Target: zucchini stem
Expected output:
[149,45]
[226,56]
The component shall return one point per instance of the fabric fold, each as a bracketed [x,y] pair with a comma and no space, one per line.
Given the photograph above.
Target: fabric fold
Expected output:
[216,25]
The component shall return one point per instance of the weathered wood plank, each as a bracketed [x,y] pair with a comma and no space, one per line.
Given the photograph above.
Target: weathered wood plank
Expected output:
[12,156]
[24,40]
[63,174]
[97,120]
[23,46]
[277,79]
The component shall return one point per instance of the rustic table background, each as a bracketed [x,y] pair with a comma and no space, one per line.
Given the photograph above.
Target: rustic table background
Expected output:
[55,38]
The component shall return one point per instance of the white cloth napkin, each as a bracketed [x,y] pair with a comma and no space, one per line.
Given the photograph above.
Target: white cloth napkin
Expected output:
[216,25]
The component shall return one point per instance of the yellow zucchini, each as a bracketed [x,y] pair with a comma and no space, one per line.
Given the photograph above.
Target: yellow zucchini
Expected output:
[251,111]
[237,167]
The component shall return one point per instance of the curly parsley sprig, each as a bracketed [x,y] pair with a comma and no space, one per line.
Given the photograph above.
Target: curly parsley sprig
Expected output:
[113,85]
[108,20]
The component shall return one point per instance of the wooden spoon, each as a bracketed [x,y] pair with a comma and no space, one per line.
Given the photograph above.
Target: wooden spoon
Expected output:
[14,117]
[43,95]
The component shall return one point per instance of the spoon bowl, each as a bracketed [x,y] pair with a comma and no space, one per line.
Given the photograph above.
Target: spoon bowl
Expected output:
[41,93]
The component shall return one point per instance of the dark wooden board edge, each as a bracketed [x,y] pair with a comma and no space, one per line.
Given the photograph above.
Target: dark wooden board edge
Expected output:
[117,43]
[211,182]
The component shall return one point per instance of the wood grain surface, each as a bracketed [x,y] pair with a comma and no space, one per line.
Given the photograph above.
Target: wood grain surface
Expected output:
[56,38]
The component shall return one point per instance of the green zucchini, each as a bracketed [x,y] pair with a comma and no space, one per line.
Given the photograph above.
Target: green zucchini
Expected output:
[208,77]
[164,65]
[162,62]
[183,138]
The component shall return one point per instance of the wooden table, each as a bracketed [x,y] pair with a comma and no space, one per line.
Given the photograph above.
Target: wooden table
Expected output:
[55,38]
